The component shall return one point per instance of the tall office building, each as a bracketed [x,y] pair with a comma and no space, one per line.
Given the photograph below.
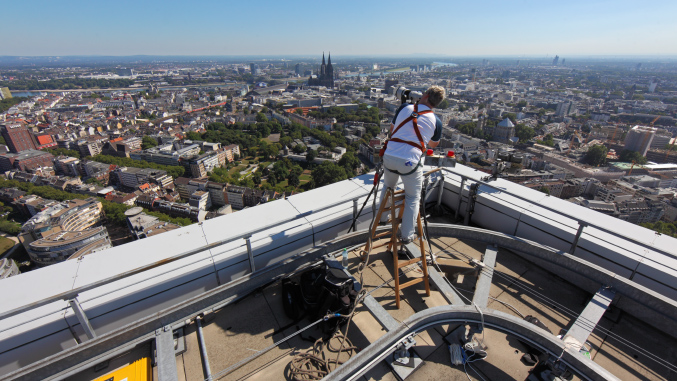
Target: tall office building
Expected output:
[565,108]
[639,139]
[17,137]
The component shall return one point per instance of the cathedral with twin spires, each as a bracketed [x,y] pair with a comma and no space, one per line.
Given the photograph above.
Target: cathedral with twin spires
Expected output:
[326,75]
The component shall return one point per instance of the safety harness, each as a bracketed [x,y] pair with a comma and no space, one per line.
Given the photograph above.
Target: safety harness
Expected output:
[420,145]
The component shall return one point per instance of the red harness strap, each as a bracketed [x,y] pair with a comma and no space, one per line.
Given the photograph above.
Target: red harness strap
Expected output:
[414,119]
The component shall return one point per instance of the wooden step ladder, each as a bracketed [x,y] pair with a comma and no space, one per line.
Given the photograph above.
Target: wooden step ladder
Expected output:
[393,202]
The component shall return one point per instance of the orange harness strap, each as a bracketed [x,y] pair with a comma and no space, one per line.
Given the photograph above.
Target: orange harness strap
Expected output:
[414,119]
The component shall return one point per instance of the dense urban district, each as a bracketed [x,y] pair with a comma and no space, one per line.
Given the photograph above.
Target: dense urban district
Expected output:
[97,154]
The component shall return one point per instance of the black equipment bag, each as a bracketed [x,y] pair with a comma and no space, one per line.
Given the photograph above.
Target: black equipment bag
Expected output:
[291,299]
[319,291]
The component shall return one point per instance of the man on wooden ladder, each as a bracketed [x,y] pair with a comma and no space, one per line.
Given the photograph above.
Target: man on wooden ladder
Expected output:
[413,126]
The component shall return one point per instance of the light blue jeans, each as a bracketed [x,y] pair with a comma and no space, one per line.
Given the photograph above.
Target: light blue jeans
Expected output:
[413,183]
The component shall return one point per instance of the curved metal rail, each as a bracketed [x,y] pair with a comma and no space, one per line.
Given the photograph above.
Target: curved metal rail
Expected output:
[386,344]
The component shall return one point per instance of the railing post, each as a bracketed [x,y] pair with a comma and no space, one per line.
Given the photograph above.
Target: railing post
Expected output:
[248,239]
[460,199]
[354,209]
[82,318]
[439,191]
[574,245]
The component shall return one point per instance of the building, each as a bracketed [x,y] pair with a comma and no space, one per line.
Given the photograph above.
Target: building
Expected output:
[10,195]
[176,209]
[142,225]
[639,139]
[236,196]
[69,166]
[75,219]
[60,246]
[32,205]
[168,154]
[612,194]
[217,191]
[17,136]
[201,165]
[326,75]
[89,148]
[640,211]
[554,187]
[26,161]
[565,109]
[200,200]
[132,177]
[504,131]
[231,151]
[8,268]
[44,141]
[5,93]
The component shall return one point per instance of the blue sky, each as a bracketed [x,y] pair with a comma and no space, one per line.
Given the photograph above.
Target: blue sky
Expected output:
[344,27]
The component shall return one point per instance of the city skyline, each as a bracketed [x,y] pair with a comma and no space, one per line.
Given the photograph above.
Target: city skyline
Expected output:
[527,28]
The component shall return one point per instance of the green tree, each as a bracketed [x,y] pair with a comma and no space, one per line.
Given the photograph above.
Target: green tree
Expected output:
[544,189]
[293,180]
[272,179]
[261,117]
[349,162]
[192,135]
[148,142]
[257,178]
[511,116]
[299,149]
[548,140]
[63,151]
[10,227]
[328,173]
[311,155]
[596,155]
[286,141]
[629,156]
[524,133]
[272,150]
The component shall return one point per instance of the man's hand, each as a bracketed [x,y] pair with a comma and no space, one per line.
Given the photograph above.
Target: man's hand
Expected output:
[433,144]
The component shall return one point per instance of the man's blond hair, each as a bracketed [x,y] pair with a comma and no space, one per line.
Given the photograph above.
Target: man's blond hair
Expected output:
[435,95]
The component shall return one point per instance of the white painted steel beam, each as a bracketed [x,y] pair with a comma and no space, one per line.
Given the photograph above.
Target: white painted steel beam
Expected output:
[588,319]
[166,358]
[483,286]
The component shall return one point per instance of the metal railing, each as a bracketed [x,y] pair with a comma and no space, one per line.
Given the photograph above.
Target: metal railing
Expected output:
[581,222]
[71,295]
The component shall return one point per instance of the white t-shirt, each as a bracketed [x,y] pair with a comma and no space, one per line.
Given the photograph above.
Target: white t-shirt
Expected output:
[429,126]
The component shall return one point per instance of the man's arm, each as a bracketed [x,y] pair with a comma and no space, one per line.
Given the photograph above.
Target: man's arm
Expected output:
[437,136]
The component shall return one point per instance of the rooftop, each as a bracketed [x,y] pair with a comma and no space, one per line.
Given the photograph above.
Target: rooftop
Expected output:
[572,268]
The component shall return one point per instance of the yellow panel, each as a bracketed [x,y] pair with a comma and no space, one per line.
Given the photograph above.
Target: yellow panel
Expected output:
[137,371]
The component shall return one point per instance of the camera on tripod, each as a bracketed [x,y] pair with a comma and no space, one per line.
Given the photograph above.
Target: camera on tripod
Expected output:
[408,96]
